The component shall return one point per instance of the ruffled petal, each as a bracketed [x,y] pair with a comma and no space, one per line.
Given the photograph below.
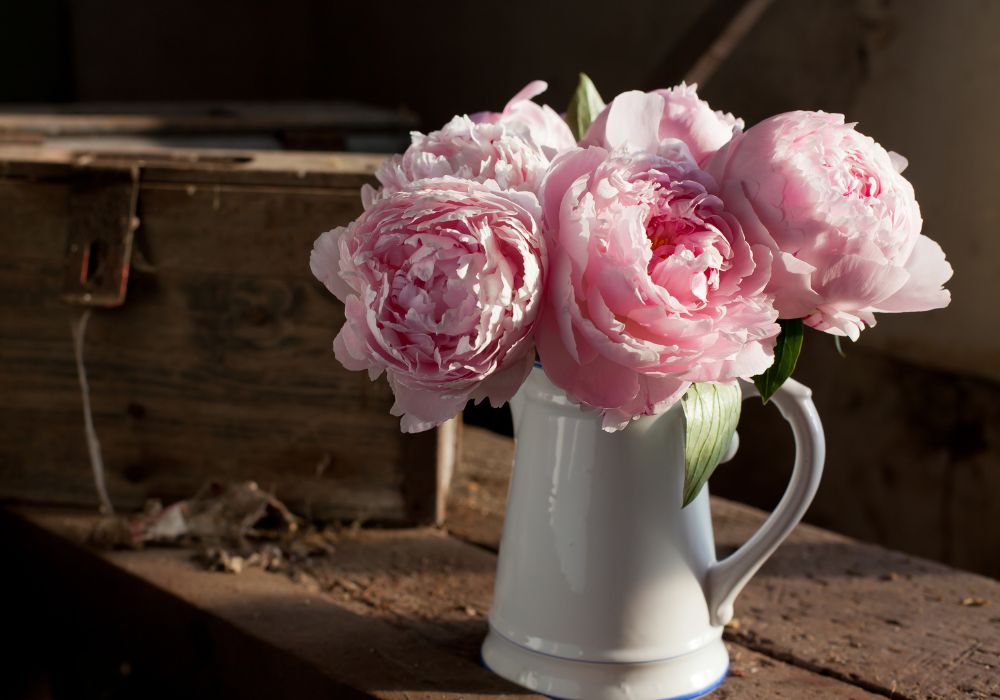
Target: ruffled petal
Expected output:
[324,262]
[422,409]
[928,271]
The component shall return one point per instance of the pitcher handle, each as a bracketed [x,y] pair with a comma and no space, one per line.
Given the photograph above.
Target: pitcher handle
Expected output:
[725,579]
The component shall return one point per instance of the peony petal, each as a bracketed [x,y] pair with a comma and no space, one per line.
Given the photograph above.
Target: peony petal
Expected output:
[656,395]
[928,270]
[500,387]
[790,283]
[422,408]
[532,89]
[684,119]
[633,121]
[837,322]
[599,383]
[898,162]
[348,348]
[562,306]
[751,359]
[324,262]
[690,119]
[566,169]
[854,282]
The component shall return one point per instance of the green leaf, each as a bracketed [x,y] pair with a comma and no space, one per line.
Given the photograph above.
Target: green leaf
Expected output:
[711,412]
[584,107]
[786,353]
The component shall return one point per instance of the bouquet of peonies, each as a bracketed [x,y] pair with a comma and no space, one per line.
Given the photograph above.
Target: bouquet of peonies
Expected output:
[646,250]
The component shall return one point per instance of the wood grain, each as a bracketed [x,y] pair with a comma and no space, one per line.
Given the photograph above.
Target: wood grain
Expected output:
[187,117]
[218,366]
[343,171]
[389,614]
[890,622]
[893,624]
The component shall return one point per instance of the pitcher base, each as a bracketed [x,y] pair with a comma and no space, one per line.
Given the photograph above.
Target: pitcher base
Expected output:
[680,678]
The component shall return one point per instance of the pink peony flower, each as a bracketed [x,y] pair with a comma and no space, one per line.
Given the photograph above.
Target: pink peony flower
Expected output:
[651,284]
[543,124]
[840,220]
[512,148]
[644,120]
[441,283]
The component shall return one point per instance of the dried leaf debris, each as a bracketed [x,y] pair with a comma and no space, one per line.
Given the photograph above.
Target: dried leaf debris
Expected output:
[232,527]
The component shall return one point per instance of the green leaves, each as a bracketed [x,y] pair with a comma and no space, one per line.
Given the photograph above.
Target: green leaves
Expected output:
[786,352]
[584,107]
[711,412]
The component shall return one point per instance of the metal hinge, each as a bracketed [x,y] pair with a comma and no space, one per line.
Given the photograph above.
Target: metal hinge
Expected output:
[102,224]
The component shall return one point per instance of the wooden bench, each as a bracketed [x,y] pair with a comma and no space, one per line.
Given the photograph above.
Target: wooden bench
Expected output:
[400,613]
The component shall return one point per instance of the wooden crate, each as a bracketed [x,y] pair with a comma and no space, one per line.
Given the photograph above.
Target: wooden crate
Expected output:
[218,365]
[310,126]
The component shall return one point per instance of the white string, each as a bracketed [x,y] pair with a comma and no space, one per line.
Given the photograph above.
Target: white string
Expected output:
[93,445]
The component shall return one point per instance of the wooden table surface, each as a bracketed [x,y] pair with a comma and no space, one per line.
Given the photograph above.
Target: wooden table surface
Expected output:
[401,613]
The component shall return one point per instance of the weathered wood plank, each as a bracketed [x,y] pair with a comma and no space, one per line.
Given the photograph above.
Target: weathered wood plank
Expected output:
[754,676]
[346,171]
[895,624]
[389,614]
[256,635]
[226,117]
[218,366]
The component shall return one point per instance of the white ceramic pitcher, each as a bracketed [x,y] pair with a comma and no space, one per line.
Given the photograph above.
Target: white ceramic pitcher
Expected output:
[606,587]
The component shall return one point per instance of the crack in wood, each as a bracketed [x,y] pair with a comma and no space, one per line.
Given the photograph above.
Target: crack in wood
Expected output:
[792,660]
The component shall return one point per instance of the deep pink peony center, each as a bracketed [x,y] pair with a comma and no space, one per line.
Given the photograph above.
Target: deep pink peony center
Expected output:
[862,182]
[429,303]
[687,254]
[856,178]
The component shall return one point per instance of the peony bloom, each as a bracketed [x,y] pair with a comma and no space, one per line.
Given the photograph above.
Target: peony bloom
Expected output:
[540,122]
[673,113]
[651,284]
[512,148]
[441,285]
[840,220]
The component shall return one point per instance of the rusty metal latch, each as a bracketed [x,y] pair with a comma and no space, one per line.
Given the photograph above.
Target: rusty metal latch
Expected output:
[102,224]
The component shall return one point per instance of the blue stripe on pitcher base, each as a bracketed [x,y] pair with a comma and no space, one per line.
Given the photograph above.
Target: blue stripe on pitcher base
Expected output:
[690,696]
[704,691]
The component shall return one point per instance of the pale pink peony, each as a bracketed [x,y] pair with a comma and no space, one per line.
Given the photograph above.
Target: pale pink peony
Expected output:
[651,284]
[842,223]
[512,148]
[643,121]
[441,285]
[542,124]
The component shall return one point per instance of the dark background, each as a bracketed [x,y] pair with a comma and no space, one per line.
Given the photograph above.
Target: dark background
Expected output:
[912,413]
[436,58]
